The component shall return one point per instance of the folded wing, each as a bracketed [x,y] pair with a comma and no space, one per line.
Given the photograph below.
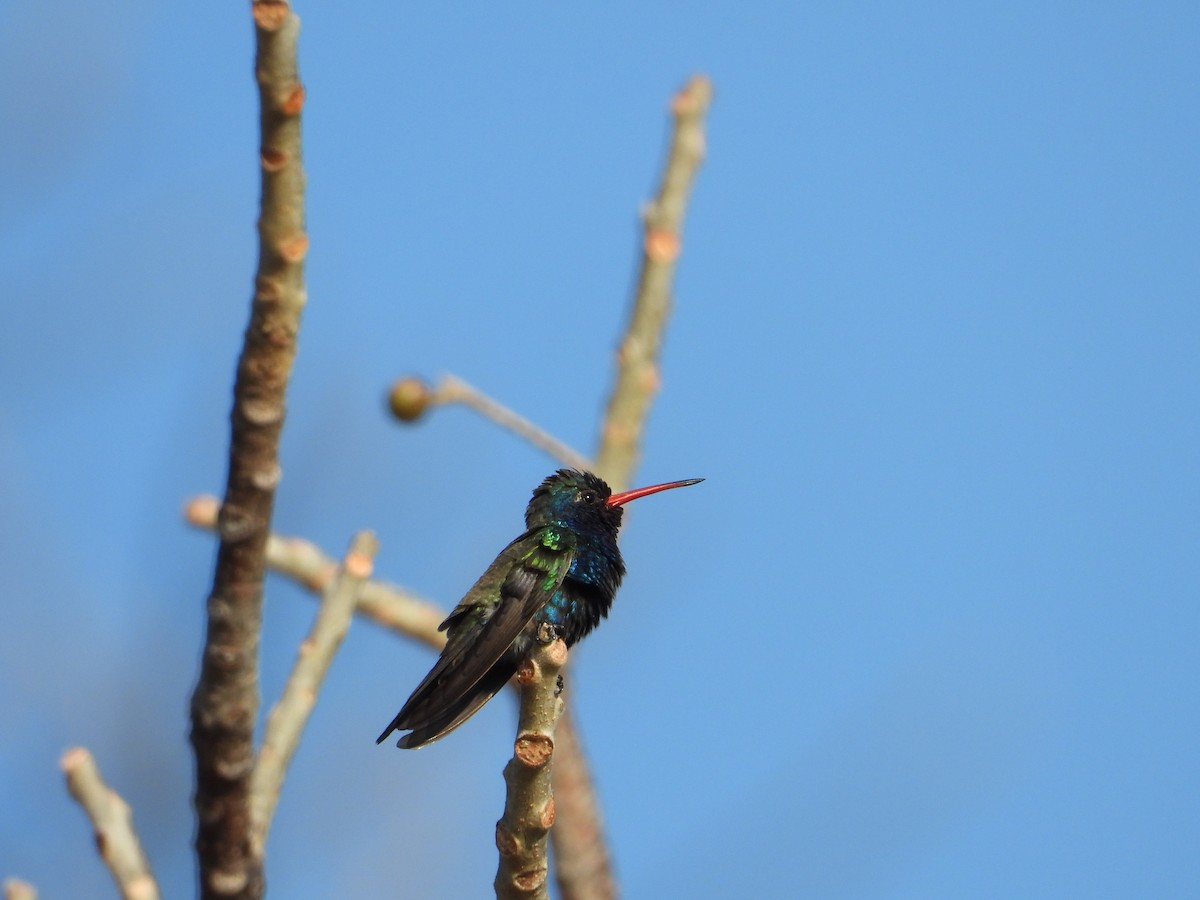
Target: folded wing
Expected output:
[476,661]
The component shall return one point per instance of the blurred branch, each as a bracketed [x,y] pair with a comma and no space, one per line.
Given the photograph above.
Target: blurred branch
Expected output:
[287,720]
[638,375]
[16,889]
[225,702]
[529,804]
[583,869]
[112,822]
[307,564]
[455,390]
[410,397]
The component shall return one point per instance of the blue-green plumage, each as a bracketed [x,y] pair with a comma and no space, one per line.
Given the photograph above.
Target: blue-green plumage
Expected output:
[563,571]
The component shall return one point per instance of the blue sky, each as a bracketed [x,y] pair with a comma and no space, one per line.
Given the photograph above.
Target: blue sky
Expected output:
[929,627]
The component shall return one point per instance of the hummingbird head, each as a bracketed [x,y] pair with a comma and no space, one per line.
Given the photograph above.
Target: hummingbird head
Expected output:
[584,503]
[575,500]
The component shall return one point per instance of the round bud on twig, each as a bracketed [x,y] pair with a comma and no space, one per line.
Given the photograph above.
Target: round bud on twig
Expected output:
[408,398]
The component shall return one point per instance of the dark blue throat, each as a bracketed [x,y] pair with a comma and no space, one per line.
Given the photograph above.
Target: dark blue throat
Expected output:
[587,592]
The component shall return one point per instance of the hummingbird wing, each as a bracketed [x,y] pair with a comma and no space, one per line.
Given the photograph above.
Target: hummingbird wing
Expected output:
[475,662]
[457,713]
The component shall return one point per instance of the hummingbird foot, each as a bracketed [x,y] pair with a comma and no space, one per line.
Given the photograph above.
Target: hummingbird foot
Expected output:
[548,633]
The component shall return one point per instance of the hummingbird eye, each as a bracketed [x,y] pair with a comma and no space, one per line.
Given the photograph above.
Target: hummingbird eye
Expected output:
[588,496]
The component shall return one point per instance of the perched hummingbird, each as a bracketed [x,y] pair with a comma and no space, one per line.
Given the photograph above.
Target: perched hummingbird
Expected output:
[562,572]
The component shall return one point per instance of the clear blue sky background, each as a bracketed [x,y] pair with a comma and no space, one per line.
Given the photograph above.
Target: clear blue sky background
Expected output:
[929,630]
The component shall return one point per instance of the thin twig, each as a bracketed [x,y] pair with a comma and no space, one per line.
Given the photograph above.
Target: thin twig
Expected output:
[112,822]
[638,374]
[529,804]
[225,702]
[452,389]
[304,562]
[286,722]
[16,889]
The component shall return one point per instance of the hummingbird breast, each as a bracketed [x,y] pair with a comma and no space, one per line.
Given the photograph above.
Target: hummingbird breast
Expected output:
[574,610]
[586,593]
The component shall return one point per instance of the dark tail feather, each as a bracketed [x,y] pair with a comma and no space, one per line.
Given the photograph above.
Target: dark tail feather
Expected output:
[444,722]
[392,726]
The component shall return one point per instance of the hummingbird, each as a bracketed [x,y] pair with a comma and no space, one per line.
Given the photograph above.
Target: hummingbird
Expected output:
[558,577]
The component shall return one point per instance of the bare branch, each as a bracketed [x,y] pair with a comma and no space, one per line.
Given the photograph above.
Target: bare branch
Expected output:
[529,805]
[454,390]
[287,720]
[638,374]
[583,869]
[410,397]
[225,702]
[112,822]
[16,889]
[387,604]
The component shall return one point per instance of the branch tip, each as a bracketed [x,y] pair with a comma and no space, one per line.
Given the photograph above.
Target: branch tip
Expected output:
[694,97]
[16,889]
[270,14]
[452,389]
[112,825]
[73,758]
[201,511]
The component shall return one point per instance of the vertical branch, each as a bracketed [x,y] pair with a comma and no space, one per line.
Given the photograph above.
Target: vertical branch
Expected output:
[225,702]
[529,804]
[583,869]
[286,723]
[113,824]
[637,359]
